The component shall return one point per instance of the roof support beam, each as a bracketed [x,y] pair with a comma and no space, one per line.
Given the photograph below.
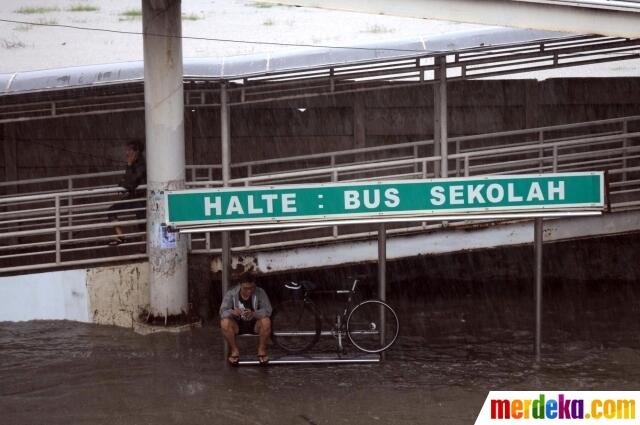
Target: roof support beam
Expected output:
[579,17]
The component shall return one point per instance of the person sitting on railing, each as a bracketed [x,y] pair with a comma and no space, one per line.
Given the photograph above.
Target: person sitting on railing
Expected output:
[135,175]
[246,309]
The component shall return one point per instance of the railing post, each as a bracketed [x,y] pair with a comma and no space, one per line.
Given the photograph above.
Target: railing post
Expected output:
[334,178]
[457,158]
[247,232]
[625,145]
[555,158]
[207,241]
[466,165]
[359,127]
[69,207]
[440,117]
[541,151]
[425,173]
[57,207]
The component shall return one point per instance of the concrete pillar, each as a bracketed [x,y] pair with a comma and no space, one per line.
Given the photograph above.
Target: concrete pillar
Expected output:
[164,120]
[440,136]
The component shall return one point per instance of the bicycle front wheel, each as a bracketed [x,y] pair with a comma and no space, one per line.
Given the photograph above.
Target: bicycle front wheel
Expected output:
[372,326]
[295,326]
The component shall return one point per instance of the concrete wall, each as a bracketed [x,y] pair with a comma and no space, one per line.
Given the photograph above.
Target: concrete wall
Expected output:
[73,145]
[118,294]
[45,296]
[95,143]
[110,295]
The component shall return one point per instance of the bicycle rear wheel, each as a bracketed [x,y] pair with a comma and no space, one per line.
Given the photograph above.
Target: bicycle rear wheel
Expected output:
[372,326]
[295,326]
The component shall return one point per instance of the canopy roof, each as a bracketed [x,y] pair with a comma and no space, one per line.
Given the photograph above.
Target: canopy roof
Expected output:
[301,59]
[308,72]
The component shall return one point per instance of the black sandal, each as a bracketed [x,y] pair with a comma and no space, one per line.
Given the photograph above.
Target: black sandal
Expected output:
[263,359]
[234,360]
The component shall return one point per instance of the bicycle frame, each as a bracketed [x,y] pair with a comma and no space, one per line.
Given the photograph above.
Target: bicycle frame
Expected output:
[369,320]
[338,327]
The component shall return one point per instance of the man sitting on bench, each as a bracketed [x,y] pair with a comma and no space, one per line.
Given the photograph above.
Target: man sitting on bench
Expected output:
[246,309]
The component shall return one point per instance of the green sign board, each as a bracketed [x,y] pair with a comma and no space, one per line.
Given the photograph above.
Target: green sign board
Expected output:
[408,198]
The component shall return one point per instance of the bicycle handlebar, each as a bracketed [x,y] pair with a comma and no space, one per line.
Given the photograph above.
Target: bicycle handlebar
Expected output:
[310,286]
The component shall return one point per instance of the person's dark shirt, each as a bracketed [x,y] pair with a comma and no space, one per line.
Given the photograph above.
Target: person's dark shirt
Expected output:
[248,304]
[134,176]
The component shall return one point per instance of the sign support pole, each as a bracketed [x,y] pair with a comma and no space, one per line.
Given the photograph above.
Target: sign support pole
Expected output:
[382,274]
[537,239]
[382,261]
[226,175]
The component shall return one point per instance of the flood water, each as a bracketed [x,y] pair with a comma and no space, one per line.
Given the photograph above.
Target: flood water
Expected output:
[452,350]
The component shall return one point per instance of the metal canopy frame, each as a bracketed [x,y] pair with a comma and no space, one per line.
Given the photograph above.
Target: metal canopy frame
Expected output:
[326,80]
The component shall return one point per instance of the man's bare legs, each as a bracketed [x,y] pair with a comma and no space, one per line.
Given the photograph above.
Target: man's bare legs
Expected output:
[230,329]
[263,329]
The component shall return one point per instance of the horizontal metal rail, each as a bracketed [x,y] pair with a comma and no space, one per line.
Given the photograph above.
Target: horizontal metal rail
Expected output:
[52,229]
[465,142]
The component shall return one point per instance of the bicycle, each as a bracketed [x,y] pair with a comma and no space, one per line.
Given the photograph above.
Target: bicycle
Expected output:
[371,326]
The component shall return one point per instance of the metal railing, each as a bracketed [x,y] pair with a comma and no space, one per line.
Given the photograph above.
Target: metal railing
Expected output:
[67,228]
[46,228]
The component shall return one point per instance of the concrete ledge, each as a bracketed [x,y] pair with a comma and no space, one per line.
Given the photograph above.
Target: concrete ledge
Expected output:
[315,359]
[439,242]
[147,329]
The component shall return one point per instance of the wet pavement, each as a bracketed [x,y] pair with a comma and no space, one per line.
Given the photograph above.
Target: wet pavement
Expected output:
[451,352]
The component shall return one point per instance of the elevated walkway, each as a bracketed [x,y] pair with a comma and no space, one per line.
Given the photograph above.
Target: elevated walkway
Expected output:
[64,221]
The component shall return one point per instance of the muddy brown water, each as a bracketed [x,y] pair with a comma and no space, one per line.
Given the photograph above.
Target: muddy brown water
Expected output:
[451,352]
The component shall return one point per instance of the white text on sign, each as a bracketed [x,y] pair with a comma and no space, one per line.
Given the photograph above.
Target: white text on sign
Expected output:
[494,193]
[251,204]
